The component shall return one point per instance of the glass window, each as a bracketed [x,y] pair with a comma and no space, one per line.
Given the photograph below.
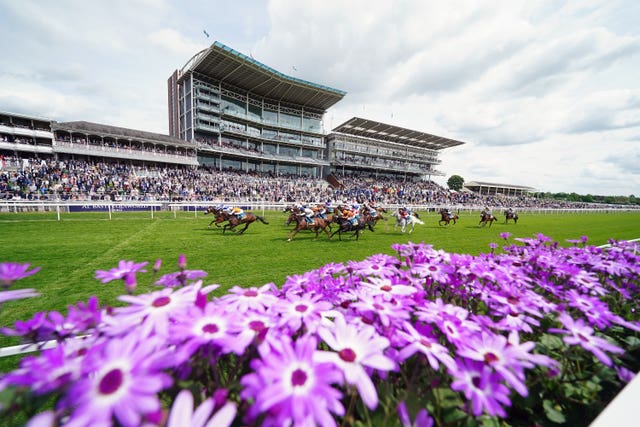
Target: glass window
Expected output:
[311,124]
[269,148]
[270,116]
[290,120]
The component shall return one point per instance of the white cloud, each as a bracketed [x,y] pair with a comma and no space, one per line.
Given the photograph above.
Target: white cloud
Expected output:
[544,93]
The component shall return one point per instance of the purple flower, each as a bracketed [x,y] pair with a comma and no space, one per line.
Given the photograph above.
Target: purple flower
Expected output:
[244,299]
[43,419]
[356,348]
[154,311]
[290,388]
[182,413]
[209,326]
[17,294]
[505,235]
[422,418]
[305,309]
[180,278]
[119,379]
[581,334]
[427,345]
[182,262]
[481,385]
[121,271]
[12,271]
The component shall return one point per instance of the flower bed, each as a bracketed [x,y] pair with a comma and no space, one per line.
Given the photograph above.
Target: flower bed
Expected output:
[537,334]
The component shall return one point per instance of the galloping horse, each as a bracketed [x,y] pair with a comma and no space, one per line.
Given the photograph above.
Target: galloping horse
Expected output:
[317,225]
[247,219]
[486,218]
[446,218]
[510,215]
[218,216]
[376,214]
[345,225]
[410,220]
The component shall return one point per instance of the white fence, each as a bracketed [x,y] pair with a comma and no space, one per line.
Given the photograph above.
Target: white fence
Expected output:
[69,207]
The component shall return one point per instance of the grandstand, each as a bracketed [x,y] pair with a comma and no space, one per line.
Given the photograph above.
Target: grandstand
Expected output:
[46,138]
[229,112]
[488,188]
[383,150]
[244,115]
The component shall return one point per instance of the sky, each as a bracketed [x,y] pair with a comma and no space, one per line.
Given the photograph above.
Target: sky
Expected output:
[544,94]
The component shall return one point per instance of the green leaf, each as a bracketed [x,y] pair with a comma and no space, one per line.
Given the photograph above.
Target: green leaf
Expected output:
[552,342]
[553,412]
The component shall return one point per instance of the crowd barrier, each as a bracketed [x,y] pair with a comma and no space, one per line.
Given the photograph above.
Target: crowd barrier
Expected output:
[67,207]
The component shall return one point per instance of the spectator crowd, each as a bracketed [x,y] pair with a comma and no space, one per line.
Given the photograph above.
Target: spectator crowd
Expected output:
[31,178]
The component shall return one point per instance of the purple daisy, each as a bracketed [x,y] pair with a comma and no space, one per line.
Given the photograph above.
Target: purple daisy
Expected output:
[182,413]
[254,298]
[120,272]
[17,294]
[422,417]
[425,344]
[119,380]
[180,278]
[307,309]
[356,348]
[12,271]
[482,387]
[290,388]
[580,334]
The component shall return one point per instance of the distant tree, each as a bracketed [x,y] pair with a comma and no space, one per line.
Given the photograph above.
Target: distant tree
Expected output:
[455,182]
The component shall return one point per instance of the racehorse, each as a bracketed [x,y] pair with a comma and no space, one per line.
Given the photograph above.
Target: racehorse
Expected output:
[446,218]
[376,214]
[510,215]
[486,218]
[247,219]
[410,220]
[346,225]
[317,225]
[219,216]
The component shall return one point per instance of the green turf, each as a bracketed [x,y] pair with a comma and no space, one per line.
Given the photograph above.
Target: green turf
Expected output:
[69,251]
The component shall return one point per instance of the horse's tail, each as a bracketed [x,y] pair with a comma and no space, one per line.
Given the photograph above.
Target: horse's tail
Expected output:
[261,220]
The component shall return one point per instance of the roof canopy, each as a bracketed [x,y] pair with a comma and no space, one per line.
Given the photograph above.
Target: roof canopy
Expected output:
[478,184]
[116,132]
[227,65]
[390,133]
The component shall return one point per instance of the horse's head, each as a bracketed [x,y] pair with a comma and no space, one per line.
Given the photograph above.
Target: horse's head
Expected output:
[210,210]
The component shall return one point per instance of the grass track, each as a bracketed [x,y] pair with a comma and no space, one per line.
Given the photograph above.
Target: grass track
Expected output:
[69,251]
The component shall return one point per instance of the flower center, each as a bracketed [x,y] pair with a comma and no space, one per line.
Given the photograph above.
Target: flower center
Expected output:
[476,381]
[425,343]
[433,268]
[301,308]
[161,302]
[111,382]
[210,328]
[386,288]
[256,325]
[347,355]
[583,337]
[490,357]
[298,377]
[250,293]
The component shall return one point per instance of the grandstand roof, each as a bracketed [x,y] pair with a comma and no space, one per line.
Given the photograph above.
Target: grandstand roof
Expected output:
[382,131]
[477,184]
[118,132]
[227,65]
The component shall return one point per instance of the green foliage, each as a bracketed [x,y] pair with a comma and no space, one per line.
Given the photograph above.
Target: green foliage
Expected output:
[455,182]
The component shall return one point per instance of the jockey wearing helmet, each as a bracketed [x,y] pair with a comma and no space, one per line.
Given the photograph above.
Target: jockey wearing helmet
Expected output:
[238,212]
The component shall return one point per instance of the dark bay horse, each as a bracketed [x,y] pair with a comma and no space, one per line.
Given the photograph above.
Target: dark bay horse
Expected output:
[446,218]
[346,226]
[485,219]
[218,216]
[247,220]
[510,215]
[318,224]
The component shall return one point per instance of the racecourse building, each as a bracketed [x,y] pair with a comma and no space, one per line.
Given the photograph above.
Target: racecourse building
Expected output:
[382,150]
[27,135]
[489,188]
[244,115]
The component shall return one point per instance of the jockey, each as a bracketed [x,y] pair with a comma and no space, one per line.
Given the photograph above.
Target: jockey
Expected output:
[320,211]
[510,211]
[404,212]
[308,214]
[450,213]
[238,212]
[328,206]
